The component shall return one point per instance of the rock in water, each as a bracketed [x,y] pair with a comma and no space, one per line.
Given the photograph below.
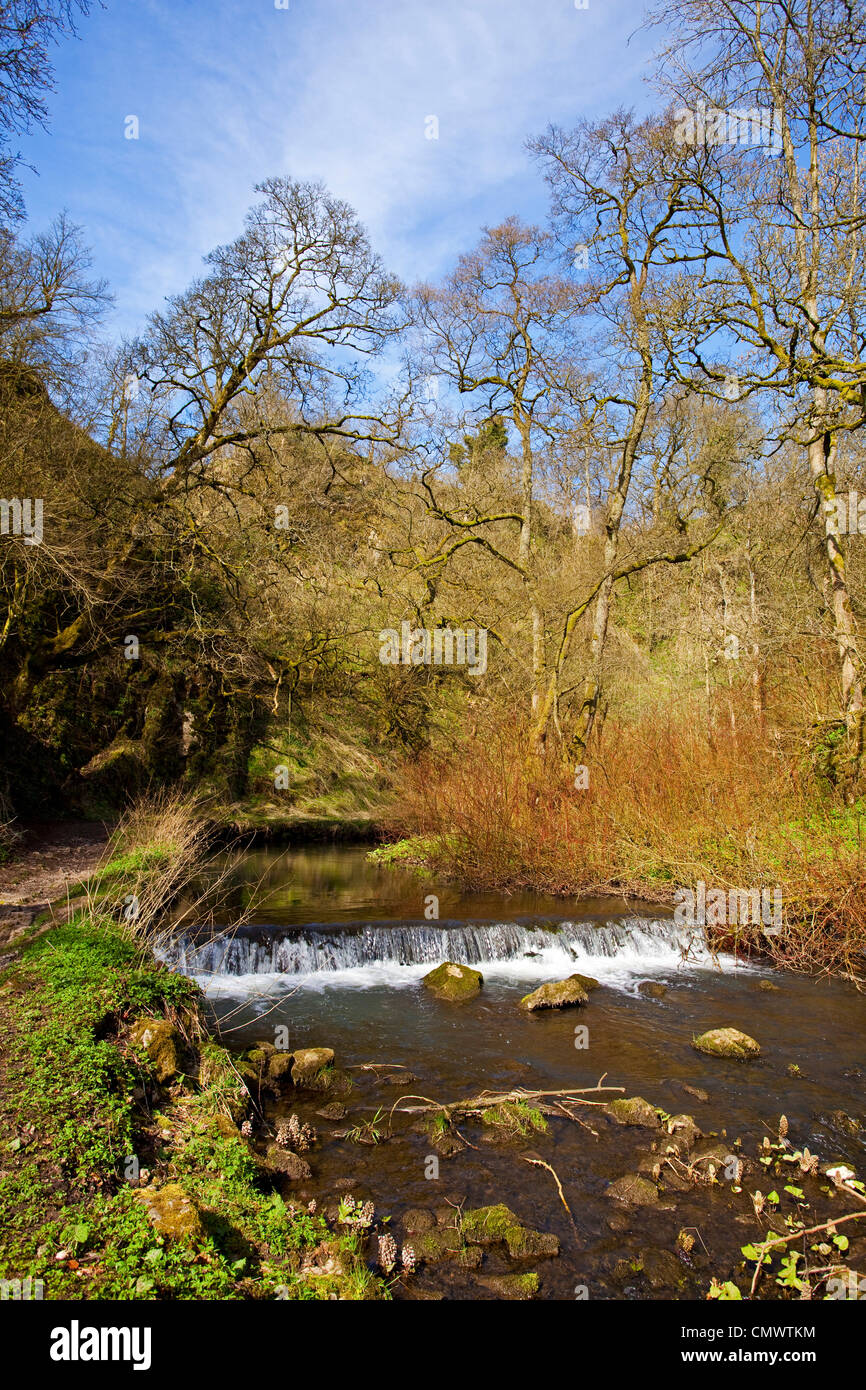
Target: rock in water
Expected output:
[652,989]
[454,982]
[635,1111]
[309,1062]
[291,1165]
[633,1190]
[490,1225]
[727,1042]
[558,994]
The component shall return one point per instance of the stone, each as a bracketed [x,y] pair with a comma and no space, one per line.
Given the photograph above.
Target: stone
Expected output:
[490,1225]
[557,994]
[437,1243]
[695,1091]
[635,1111]
[633,1190]
[417,1220]
[280,1068]
[682,1132]
[171,1211]
[289,1164]
[652,989]
[516,1287]
[727,1042]
[841,1120]
[453,982]
[308,1062]
[161,1043]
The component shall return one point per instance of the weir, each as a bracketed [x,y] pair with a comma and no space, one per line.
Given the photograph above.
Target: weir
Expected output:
[311,949]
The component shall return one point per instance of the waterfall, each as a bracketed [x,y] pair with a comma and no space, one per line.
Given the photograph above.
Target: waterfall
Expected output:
[516,948]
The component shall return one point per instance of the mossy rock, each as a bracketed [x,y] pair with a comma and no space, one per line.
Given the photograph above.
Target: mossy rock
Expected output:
[437,1243]
[589,983]
[162,1044]
[634,1111]
[308,1064]
[279,1071]
[490,1225]
[172,1211]
[289,1165]
[633,1191]
[517,1287]
[454,982]
[727,1042]
[557,994]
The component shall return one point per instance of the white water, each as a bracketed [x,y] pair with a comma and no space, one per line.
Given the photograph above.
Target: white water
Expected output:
[619,952]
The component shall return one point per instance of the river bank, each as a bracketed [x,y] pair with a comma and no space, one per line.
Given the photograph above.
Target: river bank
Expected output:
[164,1143]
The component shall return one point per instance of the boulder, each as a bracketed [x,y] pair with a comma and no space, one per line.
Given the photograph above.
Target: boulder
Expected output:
[161,1043]
[652,989]
[633,1190]
[727,1042]
[453,982]
[557,994]
[635,1111]
[490,1225]
[280,1065]
[289,1164]
[308,1062]
[437,1243]
[171,1211]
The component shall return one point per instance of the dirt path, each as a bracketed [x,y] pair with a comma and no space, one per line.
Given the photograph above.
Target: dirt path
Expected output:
[52,856]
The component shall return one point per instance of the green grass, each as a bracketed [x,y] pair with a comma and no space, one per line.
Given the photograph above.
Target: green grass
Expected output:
[78,1102]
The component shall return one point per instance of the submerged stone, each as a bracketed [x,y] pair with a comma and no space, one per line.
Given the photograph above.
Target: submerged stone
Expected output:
[557,994]
[652,989]
[727,1042]
[454,982]
[633,1190]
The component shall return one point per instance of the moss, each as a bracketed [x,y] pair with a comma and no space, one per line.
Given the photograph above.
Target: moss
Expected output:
[200,1224]
[557,994]
[494,1224]
[634,1111]
[516,1118]
[727,1042]
[456,983]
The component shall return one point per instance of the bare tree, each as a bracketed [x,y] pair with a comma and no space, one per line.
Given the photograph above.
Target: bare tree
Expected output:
[28,29]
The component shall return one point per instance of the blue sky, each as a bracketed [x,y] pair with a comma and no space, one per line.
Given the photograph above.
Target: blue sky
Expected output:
[229,92]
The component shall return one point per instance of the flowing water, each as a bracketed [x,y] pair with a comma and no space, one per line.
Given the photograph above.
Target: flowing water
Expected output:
[332,949]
